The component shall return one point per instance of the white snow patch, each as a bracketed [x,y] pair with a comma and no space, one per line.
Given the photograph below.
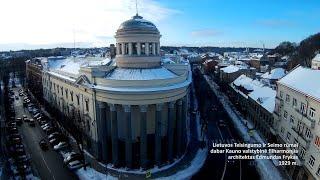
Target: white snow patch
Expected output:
[90,173]
[140,74]
[275,74]
[193,168]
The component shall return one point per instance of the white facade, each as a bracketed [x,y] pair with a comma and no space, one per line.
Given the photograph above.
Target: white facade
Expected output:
[297,114]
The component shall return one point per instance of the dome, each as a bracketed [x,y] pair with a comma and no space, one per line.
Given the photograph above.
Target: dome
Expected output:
[137,23]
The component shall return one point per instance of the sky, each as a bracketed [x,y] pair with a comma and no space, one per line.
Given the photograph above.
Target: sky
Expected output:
[36,24]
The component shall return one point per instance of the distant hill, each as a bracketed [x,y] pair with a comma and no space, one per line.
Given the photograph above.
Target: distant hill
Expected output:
[171,49]
[302,53]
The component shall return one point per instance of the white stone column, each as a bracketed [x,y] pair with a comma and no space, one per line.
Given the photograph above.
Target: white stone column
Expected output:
[158,53]
[138,49]
[117,48]
[147,49]
[154,48]
[123,48]
[130,48]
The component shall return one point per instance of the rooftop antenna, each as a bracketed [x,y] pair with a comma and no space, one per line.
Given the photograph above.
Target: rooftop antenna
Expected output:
[137,8]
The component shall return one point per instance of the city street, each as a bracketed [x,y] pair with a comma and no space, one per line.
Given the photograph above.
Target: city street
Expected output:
[219,129]
[48,164]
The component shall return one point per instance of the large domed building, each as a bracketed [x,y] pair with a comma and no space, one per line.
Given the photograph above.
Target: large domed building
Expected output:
[132,110]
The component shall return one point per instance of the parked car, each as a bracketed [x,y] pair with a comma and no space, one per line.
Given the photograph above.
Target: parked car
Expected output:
[24,117]
[19,121]
[72,156]
[43,145]
[54,135]
[32,123]
[60,145]
[73,165]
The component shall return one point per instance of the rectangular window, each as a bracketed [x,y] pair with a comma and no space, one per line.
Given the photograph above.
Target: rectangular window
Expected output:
[302,153]
[288,136]
[71,95]
[303,108]
[291,119]
[287,98]
[308,133]
[87,105]
[78,102]
[294,102]
[318,171]
[285,114]
[281,94]
[311,161]
[312,112]
[67,93]
[317,141]
[282,130]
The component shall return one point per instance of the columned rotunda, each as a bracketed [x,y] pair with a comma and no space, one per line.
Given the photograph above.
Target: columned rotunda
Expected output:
[136,108]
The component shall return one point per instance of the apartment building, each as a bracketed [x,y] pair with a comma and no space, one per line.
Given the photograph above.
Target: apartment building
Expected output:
[297,115]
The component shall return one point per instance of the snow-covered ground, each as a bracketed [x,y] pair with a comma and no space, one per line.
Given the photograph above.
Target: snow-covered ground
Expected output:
[194,166]
[90,173]
[266,168]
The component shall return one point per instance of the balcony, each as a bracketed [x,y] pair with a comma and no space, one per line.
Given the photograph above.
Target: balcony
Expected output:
[303,117]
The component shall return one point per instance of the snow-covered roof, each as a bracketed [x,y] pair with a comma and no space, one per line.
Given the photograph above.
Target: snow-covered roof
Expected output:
[316,58]
[72,65]
[140,74]
[303,79]
[247,83]
[265,96]
[230,69]
[276,73]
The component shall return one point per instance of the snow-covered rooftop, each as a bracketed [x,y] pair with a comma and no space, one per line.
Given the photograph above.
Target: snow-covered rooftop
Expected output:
[72,65]
[230,69]
[303,79]
[276,73]
[316,58]
[247,83]
[264,96]
[140,74]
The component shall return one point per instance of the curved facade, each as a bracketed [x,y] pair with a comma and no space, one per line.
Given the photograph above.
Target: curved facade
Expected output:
[136,109]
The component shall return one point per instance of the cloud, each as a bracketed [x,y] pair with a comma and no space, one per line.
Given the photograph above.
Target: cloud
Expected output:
[205,33]
[52,22]
[274,23]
